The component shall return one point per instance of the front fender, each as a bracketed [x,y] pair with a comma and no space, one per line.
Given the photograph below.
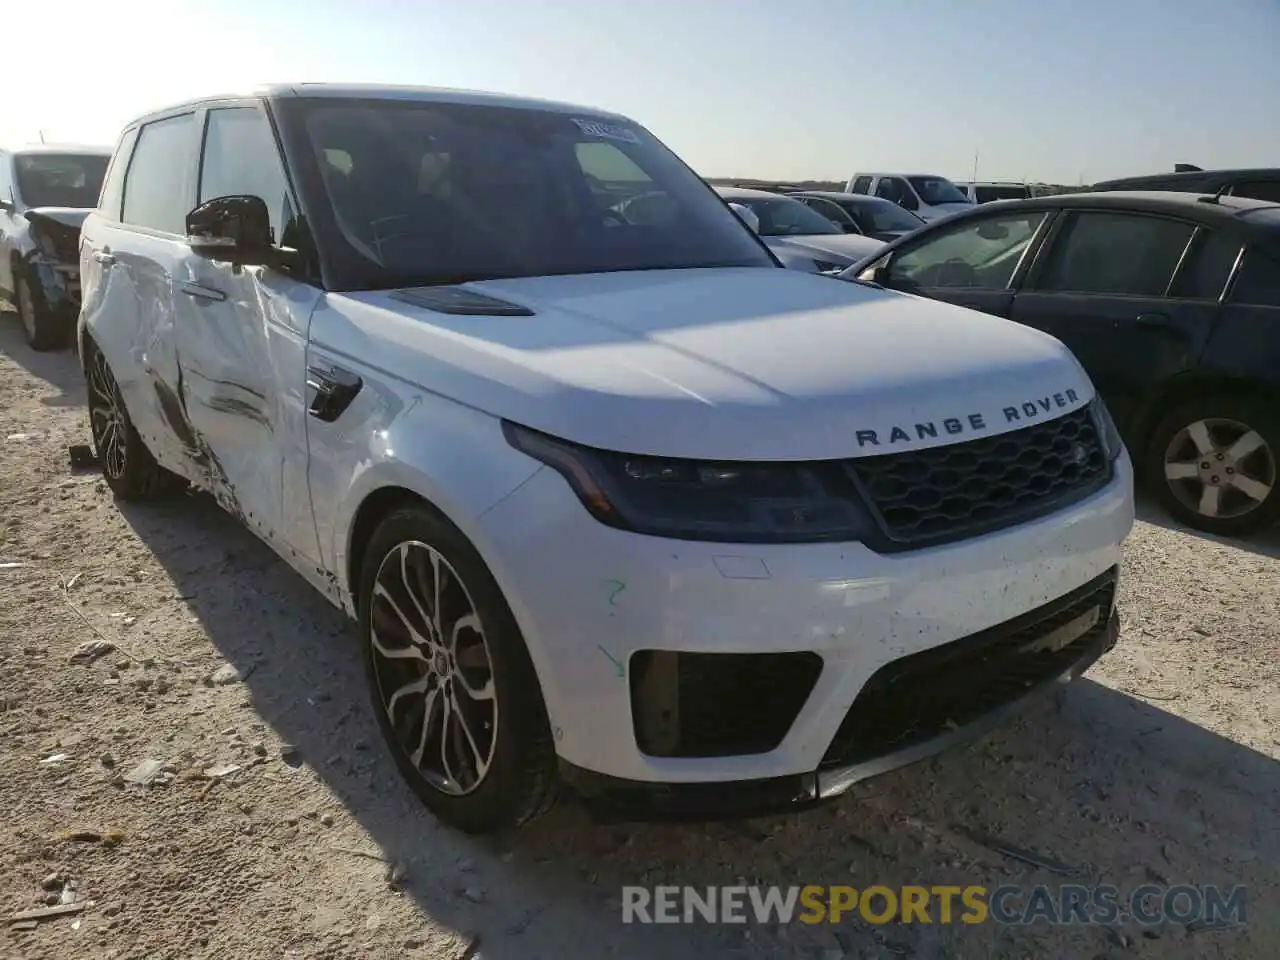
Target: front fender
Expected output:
[399,437]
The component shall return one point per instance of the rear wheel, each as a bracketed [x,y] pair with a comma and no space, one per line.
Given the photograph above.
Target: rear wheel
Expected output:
[1213,462]
[456,695]
[42,329]
[127,465]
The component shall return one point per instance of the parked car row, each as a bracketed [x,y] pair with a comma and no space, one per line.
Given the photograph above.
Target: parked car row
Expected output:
[800,237]
[615,500]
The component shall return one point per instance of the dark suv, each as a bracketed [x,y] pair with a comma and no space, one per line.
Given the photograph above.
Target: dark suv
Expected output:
[45,194]
[1170,301]
[1258,184]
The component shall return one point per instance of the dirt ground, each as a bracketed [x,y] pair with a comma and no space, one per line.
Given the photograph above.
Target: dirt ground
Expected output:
[1161,766]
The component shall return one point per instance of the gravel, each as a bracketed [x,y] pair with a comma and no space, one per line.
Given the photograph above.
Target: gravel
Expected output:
[1160,766]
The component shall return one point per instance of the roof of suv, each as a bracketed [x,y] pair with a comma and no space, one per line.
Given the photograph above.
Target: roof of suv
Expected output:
[371,91]
[59,148]
[1206,209]
[1191,179]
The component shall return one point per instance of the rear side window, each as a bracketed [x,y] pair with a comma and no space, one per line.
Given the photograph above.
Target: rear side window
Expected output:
[1119,254]
[157,190]
[112,195]
[1258,282]
[1207,266]
[241,159]
[862,185]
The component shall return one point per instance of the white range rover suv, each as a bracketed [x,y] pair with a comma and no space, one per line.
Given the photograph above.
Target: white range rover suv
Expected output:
[623,505]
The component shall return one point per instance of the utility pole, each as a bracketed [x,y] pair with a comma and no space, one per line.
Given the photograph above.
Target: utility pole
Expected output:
[42,136]
[973,176]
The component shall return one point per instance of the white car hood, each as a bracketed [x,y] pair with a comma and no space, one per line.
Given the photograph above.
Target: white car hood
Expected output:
[731,364]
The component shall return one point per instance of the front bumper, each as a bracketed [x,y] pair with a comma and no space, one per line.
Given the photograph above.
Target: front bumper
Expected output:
[615,798]
[594,616]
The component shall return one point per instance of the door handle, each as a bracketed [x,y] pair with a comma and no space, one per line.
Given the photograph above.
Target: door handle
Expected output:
[333,389]
[202,292]
[104,258]
[1152,320]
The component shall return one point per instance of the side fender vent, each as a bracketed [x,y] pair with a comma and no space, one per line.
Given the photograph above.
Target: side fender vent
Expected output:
[458,301]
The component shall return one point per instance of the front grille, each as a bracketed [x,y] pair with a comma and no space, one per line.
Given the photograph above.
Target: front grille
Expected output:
[964,489]
[919,697]
[717,704]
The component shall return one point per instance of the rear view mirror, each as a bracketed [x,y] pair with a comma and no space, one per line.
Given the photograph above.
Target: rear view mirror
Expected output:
[993,231]
[235,229]
[746,215]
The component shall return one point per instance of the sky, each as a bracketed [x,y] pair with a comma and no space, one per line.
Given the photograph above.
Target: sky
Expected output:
[1048,90]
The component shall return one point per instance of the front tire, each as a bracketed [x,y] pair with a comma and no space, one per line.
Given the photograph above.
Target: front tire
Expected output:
[1212,463]
[127,465]
[40,327]
[456,695]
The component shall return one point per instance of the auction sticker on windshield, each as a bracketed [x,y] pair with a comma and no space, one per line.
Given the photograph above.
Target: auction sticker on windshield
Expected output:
[609,131]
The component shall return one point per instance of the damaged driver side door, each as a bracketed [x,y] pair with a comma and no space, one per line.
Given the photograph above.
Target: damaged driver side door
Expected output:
[241,343]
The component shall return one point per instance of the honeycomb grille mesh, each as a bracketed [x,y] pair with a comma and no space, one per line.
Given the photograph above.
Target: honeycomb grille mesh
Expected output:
[980,485]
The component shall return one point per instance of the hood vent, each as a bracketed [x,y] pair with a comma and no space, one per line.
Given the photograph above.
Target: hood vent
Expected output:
[458,301]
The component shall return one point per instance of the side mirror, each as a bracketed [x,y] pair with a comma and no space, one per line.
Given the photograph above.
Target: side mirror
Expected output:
[993,231]
[235,229]
[7,206]
[908,202]
[746,215]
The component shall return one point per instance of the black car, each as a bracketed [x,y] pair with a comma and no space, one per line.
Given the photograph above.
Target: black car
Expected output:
[1170,301]
[45,194]
[855,213]
[1258,184]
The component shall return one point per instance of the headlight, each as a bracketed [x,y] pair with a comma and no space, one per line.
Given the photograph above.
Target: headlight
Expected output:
[1111,441]
[704,500]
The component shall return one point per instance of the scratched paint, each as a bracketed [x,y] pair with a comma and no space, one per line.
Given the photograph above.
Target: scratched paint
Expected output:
[615,588]
[619,668]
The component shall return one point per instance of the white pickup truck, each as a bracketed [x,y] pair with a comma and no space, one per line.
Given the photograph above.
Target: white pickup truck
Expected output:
[616,500]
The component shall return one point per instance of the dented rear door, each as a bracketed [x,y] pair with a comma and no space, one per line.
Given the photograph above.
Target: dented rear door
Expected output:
[131,247]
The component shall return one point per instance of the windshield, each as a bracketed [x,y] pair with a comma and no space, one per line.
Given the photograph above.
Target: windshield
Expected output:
[413,193]
[784,217]
[60,179]
[935,190]
[882,216]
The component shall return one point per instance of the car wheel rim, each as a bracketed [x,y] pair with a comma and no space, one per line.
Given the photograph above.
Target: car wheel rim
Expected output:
[27,308]
[433,668]
[1220,468]
[106,417]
